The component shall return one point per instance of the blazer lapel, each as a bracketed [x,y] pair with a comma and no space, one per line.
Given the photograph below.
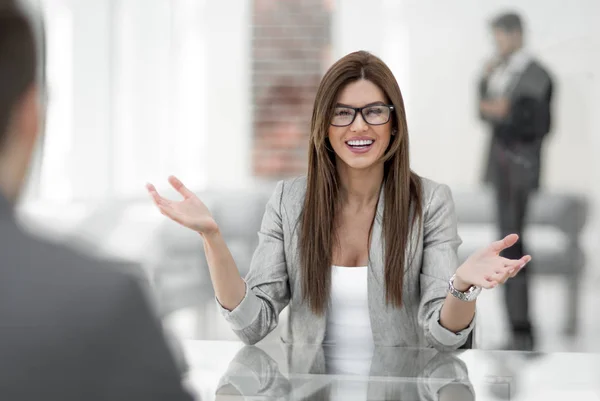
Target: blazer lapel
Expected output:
[376,277]
[376,246]
[380,312]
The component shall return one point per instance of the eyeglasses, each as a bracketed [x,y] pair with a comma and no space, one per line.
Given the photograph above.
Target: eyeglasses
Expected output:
[373,115]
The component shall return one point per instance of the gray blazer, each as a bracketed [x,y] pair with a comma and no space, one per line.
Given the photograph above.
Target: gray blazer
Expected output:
[274,282]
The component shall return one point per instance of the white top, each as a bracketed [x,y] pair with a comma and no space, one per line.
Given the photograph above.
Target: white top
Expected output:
[348,322]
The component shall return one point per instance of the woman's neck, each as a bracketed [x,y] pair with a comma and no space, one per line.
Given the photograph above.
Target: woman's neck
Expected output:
[360,188]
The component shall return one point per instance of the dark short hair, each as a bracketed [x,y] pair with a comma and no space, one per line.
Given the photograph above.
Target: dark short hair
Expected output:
[508,22]
[18,60]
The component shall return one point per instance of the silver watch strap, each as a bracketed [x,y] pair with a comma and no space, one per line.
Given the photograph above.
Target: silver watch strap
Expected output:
[466,296]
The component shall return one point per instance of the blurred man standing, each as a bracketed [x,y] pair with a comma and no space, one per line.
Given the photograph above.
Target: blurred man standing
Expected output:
[71,329]
[515,93]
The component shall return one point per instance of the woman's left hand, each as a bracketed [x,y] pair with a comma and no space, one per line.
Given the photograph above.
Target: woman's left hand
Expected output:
[486,268]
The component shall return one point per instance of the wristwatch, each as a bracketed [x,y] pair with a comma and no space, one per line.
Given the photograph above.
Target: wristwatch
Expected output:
[469,295]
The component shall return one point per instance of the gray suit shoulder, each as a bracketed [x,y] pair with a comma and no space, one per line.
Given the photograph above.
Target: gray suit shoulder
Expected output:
[72,268]
[539,68]
[294,187]
[536,81]
[435,189]
[51,282]
[293,191]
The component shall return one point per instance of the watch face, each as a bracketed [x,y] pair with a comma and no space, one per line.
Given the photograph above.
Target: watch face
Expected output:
[473,293]
[469,295]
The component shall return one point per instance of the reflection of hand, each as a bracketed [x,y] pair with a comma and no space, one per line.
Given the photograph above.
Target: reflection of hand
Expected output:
[486,268]
[253,373]
[455,392]
[191,212]
[446,378]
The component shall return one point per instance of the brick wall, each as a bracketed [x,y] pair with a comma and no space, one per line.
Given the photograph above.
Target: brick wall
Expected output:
[290,51]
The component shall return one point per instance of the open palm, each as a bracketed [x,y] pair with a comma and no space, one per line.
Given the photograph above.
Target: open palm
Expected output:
[486,268]
[190,212]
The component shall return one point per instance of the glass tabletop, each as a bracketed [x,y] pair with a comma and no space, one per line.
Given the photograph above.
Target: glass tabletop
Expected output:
[232,371]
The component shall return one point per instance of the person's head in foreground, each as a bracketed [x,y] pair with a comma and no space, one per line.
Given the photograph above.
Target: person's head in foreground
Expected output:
[20,109]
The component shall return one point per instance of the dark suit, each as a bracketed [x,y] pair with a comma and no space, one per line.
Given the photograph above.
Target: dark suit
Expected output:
[72,329]
[513,169]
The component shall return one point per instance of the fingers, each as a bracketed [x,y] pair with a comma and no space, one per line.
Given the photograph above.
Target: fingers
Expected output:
[506,242]
[521,263]
[507,262]
[164,205]
[488,284]
[499,278]
[170,213]
[515,272]
[524,260]
[179,187]
[510,269]
[517,264]
[158,200]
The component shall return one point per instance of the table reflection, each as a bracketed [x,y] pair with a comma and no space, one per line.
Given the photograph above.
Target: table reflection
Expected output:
[228,370]
[334,373]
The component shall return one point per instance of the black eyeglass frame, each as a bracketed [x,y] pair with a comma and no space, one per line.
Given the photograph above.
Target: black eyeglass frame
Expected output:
[360,110]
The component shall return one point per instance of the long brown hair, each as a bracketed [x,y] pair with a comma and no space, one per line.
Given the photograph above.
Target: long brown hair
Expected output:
[402,187]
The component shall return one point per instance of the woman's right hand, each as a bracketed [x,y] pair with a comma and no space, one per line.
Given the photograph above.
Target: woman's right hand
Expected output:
[191,212]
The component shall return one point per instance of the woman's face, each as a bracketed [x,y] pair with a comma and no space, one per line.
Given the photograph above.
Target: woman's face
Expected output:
[361,145]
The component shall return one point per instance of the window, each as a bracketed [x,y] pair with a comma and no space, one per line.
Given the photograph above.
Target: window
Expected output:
[126,97]
[158,94]
[54,183]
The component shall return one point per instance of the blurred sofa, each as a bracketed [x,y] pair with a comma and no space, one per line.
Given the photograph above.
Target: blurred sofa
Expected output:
[180,274]
[177,265]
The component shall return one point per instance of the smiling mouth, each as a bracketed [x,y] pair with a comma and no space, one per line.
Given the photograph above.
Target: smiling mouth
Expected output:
[360,144]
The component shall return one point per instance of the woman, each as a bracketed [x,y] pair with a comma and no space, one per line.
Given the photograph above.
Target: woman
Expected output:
[362,249]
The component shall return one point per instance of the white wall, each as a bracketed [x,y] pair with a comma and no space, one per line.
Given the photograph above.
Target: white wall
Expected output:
[191,57]
[436,50]
[76,150]
[378,26]
[142,93]
[229,108]
[159,108]
[89,152]
[142,89]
